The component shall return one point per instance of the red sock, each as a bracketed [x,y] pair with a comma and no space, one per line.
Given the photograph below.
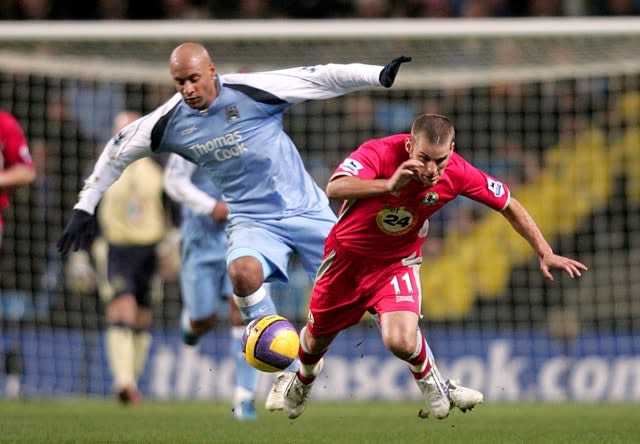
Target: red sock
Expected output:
[419,360]
[307,364]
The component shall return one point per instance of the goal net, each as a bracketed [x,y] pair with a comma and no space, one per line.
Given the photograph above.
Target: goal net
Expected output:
[551,106]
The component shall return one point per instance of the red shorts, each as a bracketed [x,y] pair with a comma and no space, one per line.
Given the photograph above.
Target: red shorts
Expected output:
[348,285]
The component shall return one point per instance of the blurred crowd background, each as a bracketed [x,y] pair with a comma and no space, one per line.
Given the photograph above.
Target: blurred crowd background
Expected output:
[306,9]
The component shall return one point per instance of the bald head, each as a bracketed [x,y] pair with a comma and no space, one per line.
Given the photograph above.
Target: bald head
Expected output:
[193,74]
[189,52]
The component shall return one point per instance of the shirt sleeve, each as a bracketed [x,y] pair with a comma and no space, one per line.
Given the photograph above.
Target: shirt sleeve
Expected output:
[131,143]
[178,185]
[296,85]
[483,188]
[363,163]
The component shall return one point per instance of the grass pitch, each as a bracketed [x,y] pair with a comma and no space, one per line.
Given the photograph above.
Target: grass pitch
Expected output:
[103,421]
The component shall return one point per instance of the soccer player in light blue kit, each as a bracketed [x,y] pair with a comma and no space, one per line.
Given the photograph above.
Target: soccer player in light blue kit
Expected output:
[204,282]
[231,126]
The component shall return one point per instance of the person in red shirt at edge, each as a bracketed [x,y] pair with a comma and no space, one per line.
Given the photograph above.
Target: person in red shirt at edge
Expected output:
[390,187]
[16,165]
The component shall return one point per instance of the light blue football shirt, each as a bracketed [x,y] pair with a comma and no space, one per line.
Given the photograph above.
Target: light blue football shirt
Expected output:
[239,141]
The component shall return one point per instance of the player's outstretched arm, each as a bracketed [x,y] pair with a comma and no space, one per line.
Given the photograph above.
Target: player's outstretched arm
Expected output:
[319,82]
[526,226]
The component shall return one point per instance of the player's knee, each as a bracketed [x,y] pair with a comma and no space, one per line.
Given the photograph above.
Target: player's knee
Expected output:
[123,308]
[402,345]
[246,275]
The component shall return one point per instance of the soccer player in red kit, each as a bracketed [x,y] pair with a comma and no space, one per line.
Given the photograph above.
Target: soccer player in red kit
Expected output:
[390,187]
[16,166]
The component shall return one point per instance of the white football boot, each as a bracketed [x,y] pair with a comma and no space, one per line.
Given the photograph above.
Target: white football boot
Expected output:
[275,398]
[435,394]
[297,393]
[464,398]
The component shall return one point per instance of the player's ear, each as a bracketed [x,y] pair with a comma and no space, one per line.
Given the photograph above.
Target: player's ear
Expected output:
[408,145]
[453,145]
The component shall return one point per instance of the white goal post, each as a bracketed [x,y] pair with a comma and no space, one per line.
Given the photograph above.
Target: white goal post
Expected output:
[550,105]
[546,34]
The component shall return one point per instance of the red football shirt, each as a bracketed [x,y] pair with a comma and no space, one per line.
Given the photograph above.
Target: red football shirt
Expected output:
[13,150]
[389,226]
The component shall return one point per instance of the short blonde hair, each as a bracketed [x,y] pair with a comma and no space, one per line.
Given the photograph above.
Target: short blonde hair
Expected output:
[434,128]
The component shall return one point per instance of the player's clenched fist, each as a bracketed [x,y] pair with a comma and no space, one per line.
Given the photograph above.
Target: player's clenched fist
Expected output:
[405,172]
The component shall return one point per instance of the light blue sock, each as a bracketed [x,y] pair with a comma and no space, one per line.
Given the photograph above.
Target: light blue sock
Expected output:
[258,303]
[245,375]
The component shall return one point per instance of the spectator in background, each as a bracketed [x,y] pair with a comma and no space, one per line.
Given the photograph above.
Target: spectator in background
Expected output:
[618,7]
[544,8]
[33,10]
[484,8]
[313,9]
[372,9]
[145,10]
[16,165]
[183,10]
[94,105]
[61,153]
[113,10]
[254,9]
[429,8]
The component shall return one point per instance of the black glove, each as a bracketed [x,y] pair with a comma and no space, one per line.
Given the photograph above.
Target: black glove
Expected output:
[389,72]
[79,232]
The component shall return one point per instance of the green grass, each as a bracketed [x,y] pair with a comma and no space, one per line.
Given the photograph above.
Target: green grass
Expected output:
[98,421]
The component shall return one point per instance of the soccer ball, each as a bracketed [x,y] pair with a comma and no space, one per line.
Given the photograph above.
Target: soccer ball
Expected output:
[270,343]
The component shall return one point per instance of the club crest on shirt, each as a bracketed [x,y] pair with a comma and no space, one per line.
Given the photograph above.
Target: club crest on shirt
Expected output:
[118,138]
[394,221]
[431,198]
[232,113]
